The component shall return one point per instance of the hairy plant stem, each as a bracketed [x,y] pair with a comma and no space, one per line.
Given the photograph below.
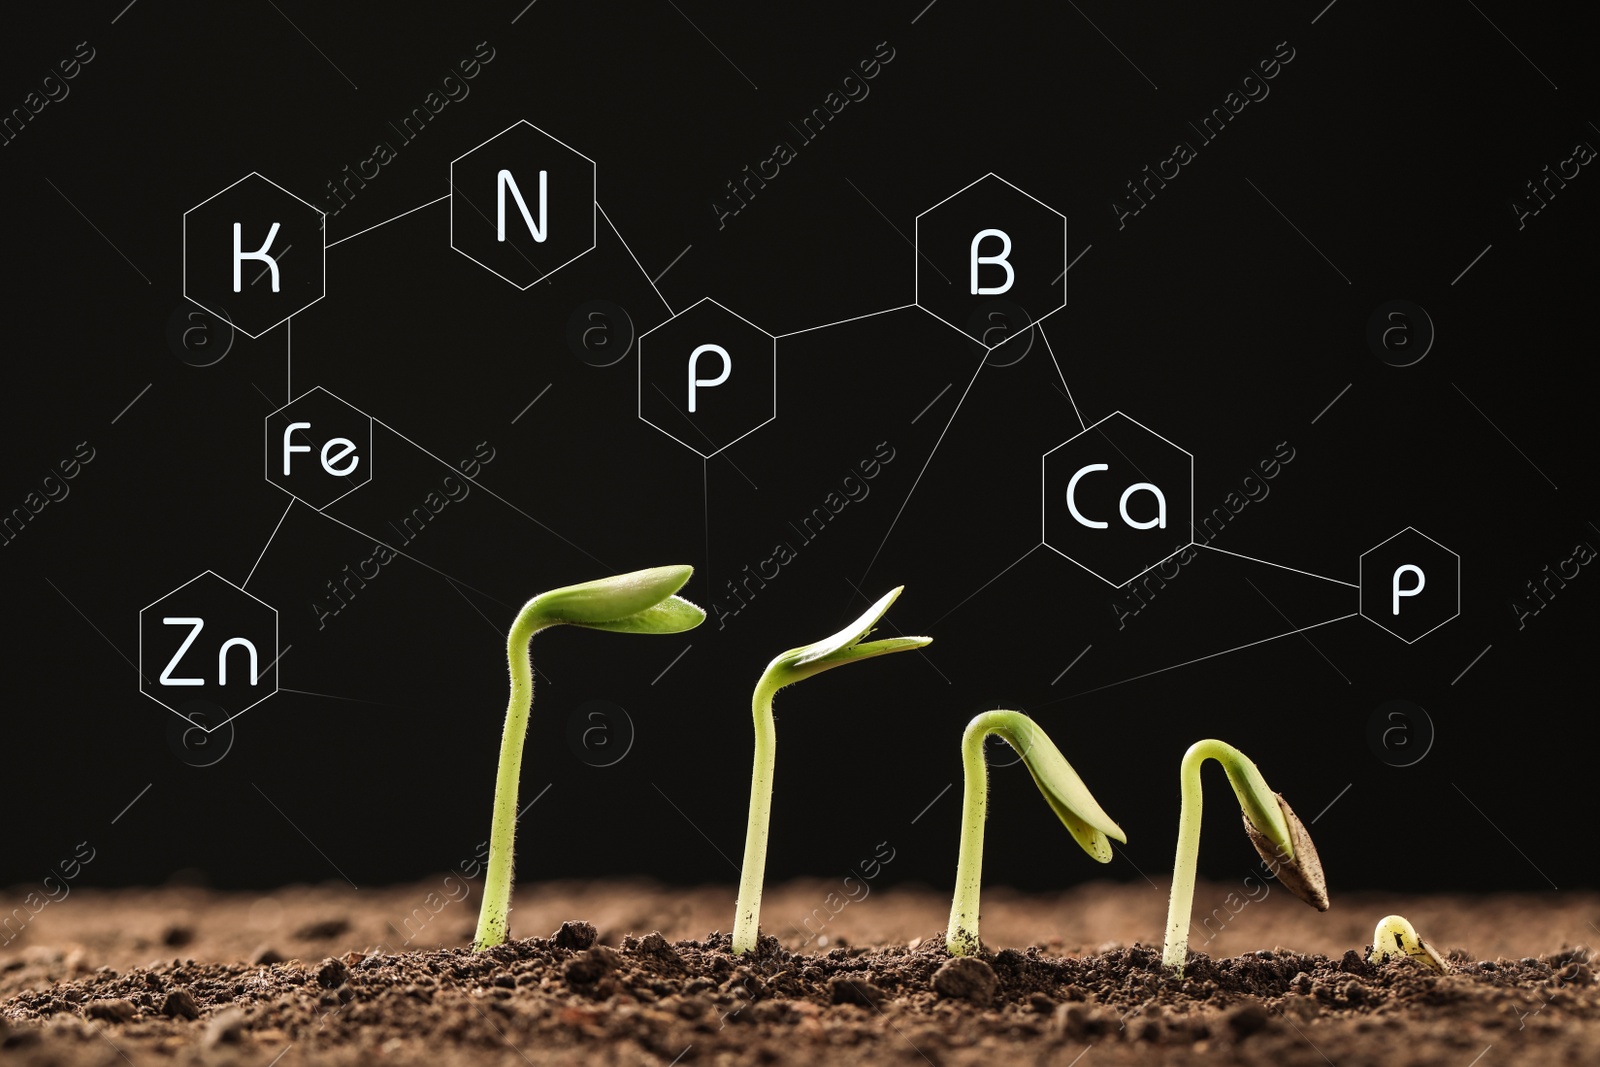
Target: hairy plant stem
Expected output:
[961,936]
[747,919]
[494,916]
[1260,806]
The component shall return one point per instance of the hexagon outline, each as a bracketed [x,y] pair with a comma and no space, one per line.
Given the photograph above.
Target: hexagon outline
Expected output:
[323,229]
[1043,539]
[1361,589]
[266,451]
[276,640]
[594,204]
[917,274]
[639,377]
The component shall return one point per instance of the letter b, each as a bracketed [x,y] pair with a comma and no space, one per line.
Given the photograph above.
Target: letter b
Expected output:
[1000,261]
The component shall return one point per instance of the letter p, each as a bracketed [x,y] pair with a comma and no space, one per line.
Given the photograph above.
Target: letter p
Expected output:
[1414,590]
[706,383]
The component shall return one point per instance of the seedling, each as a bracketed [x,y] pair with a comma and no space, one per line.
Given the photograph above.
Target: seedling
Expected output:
[1395,936]
[1274,829]
[640,602]
[1063,790]
[789,667]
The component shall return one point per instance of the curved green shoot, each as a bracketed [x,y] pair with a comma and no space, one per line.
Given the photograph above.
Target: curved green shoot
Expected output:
[639,602]
[1063,790]
[1394,936]
[790,667]
[1274,829]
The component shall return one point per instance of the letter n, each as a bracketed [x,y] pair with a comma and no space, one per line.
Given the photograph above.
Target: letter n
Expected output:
[505,181]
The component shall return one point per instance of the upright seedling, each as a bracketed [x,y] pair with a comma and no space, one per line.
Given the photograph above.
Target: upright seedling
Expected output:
[1278,835]
[1395,936]
[640,602]
[1063,790]
[792,666]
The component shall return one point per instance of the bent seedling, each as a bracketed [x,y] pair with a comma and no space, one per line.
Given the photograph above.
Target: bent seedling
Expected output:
[639,602]
[1063,790]
[1395,936]
[1273,827]
[790,667]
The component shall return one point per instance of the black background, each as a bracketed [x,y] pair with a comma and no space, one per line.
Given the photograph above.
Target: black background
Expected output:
[1395,141]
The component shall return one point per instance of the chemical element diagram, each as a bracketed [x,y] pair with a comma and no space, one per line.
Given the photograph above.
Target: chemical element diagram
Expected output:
[991,262]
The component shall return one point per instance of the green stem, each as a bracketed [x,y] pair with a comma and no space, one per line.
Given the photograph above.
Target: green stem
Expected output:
[747,920]
[1260,807]
[495,914]
[961,936]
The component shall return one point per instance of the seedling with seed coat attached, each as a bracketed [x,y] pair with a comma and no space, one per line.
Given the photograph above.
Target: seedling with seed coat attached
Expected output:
[1395,936]
[1274,829]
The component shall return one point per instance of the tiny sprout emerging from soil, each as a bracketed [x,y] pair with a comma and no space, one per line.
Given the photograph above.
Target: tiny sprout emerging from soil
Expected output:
[1063,790]
[1395,936]
[1273,827]
[789,667]
[639,602]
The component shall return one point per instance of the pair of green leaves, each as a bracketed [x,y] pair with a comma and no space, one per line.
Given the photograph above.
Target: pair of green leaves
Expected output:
[801,663]
[639,602]
[1060,785]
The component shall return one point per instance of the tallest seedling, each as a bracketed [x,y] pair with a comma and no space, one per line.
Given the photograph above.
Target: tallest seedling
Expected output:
[639,602]
[792,666]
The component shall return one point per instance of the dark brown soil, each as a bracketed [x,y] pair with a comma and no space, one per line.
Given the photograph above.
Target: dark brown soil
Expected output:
[330,985]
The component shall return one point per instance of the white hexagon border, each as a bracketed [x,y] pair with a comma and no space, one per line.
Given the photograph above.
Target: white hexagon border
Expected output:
[323,229]
[266,448]
[1361,587]
[1066,264]
[639,377]
[594,205]
[277,639]
[1043,537]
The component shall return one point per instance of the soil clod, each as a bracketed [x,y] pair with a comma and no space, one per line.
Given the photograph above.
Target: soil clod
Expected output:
[574,936]
[966,978]
[654,947]
[332,973]
[179,1004]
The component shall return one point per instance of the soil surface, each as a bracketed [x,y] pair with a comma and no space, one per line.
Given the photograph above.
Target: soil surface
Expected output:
[633,973]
